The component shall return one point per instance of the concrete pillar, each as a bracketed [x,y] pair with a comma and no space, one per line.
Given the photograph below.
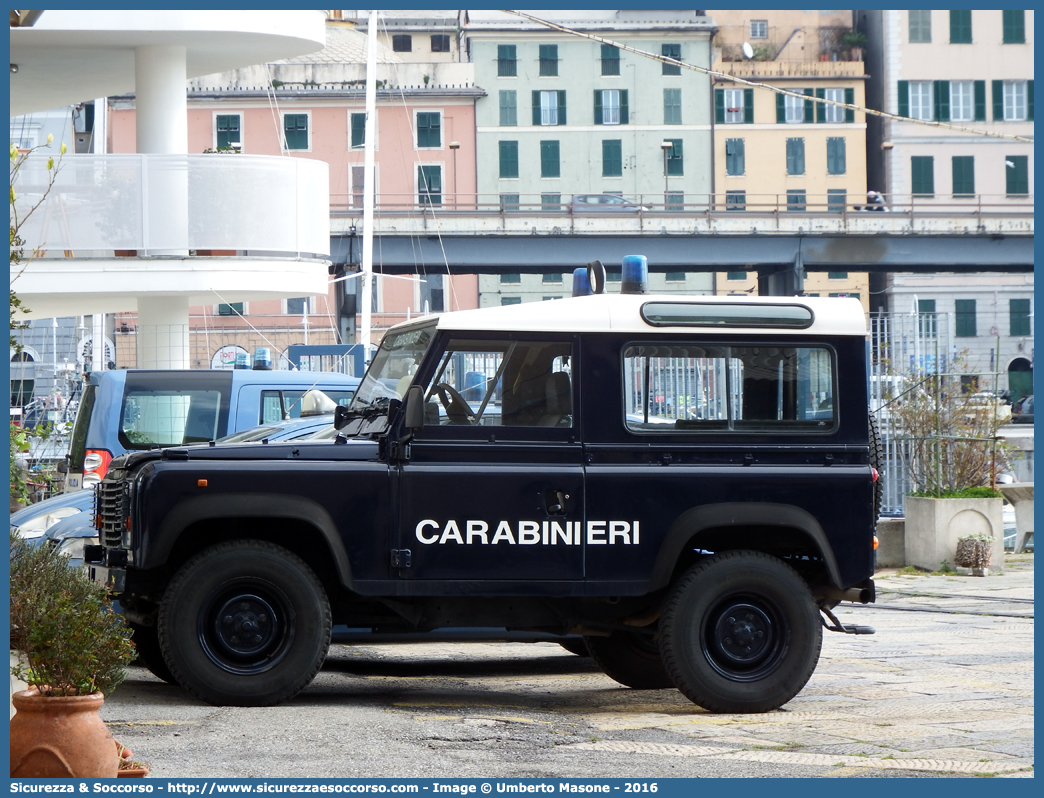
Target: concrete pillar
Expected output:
[163,333]
[161,99]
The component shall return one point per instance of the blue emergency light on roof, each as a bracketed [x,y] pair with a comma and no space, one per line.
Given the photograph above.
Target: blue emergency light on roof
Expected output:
[262,359]
[634,275]
[242,360]
[581,285]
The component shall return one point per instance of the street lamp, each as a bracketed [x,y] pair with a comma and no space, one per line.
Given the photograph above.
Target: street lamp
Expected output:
[666,146]
[454,146]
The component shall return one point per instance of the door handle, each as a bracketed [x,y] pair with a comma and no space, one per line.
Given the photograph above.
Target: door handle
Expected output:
[555,501]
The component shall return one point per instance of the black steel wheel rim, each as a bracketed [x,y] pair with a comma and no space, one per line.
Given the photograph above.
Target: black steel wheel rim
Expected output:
[744,638]
[246,627]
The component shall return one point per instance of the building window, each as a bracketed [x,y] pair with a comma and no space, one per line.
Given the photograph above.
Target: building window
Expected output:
[508,108]
[228,131]
[675,161]
[549,60]
[1014,27]
[962,100]
[837,275]
[612,158]
[549,159]
[432,293]
[297,306]
[610,60]
[507,61]
[232,309]
[509,202]
[358,124]
[836,198]
[674,201]
[735,200]
[735,157]
[429,129]
[671,51]
[735,275]
[926,318]
[834,114]
[553,278]
[963,175]
[429,184]
[511,278]
[836,160]
[509,159]
[1015,106]
[921,100]
[965,318]
[922,175]
[549,108]
[759,29]
[551,202]
[791,110]
[440,43]
[795,156]
[511,300]
[295,129]
[960,27]
[610,107]
[794,109]
[1019,314]
[796,200]
[402,43]
[672,112]
[675,277]
[357,181]
[734,106]
[1016,170]
[920,26]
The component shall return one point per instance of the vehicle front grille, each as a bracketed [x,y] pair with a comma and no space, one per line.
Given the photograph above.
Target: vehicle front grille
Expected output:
[110,509]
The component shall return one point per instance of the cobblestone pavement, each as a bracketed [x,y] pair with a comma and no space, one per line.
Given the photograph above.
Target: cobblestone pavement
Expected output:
[944,689]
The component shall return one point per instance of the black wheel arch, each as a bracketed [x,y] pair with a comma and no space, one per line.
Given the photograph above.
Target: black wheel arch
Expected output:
[741,525]
[190,526]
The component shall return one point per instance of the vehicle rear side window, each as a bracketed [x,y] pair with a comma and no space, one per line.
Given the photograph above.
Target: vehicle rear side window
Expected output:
[170,418]
[711,388]
[280,405]
[78,443]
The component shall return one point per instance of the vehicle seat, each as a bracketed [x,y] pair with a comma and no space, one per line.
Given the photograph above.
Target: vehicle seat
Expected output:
[559,400]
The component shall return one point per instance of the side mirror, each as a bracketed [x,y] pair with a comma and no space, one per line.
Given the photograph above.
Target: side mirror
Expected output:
[414,416]
[340,417]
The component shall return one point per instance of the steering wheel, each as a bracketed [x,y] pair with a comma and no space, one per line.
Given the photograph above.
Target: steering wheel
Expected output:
[457,410]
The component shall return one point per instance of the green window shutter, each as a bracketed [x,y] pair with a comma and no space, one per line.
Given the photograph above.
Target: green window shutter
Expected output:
[781,109]
[979,91]
[795,156]
[509,159]
[610,60]
[1019,313]
[904,98]
[536,107]
[672,107]
[810,110]
[671,51]
[507,62]
[922,175]
[1017,175]
[960,27]
[624,115]
[548,60]
[1029,100]
[719,106]
[735,157]
[821,107]
[429,129]
[227,130]
[561,108]
[836,198]
[998,100]
[612,158]
[233,309]
[836,156]
[1014,27]
[508,109]
[941,92]
[675,159]
[549,159]
[598,106]
[963,175]
[429,185]
[850,99]
[965,318]
[358,130]
[748,106]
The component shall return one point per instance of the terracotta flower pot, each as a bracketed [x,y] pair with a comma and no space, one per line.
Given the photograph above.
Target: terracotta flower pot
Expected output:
[61,737]
[133,773]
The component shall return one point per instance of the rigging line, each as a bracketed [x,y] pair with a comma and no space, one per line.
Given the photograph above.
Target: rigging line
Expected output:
[273,107]
[786,92]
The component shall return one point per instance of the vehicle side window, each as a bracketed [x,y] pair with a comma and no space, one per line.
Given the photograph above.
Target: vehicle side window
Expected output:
[503,384]
[168,418]
[697,388]
[277,405]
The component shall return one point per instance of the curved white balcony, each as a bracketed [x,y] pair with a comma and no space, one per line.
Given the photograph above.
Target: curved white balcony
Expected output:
[101,203]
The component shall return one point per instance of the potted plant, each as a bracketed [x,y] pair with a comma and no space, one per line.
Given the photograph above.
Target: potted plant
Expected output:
[855,41]
[947,436]
[974,552]
[72,650]
[129,768]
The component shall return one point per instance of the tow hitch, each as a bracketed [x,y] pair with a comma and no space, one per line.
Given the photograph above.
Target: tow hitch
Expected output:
[851,629]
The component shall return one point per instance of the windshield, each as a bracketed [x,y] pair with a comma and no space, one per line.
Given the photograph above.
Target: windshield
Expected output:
[392,369]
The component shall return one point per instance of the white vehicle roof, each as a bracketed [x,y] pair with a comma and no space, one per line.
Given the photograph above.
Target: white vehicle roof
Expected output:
[623,313]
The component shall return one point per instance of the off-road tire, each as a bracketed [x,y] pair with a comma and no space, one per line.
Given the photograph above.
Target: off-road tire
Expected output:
[146,641]
[630,658]
[575,645]
[740,633]
[877,458]
[244,623]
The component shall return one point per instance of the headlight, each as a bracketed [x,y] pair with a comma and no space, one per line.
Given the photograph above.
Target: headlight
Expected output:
[37,527]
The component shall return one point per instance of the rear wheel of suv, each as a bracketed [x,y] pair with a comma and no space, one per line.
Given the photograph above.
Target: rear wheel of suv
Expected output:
[740,633]
[876,462]
[244,623]
[630,658]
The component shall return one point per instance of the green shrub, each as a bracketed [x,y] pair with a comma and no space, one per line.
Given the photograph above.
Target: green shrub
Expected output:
[963,493]
[74,644]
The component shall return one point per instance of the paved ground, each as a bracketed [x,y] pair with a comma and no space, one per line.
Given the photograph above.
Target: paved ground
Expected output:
[945,688]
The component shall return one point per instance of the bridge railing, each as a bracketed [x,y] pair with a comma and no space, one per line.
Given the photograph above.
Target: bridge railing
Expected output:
[727,202]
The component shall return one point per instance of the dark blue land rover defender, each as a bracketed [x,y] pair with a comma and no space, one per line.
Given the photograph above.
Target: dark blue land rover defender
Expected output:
[688,482]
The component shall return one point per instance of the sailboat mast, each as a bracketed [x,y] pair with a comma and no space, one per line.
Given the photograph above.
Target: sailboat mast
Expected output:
[366,289]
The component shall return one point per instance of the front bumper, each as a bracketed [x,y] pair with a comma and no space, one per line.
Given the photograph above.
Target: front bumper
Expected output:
[112,579]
